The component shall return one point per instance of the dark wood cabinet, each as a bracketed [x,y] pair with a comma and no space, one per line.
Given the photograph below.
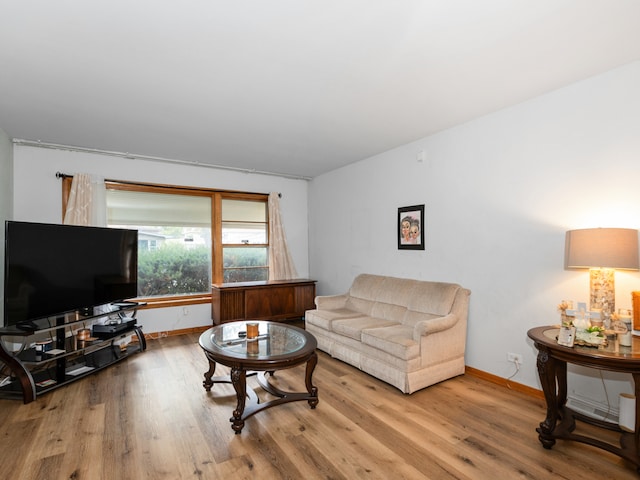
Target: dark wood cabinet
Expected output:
[276,300]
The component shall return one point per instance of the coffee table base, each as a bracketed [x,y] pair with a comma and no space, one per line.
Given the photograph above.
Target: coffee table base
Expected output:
[248,402]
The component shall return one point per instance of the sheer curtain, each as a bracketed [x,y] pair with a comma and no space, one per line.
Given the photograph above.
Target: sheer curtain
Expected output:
[281,265]
[87,201]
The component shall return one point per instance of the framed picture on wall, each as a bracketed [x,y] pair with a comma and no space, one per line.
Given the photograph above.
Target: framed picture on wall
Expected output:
[410,228]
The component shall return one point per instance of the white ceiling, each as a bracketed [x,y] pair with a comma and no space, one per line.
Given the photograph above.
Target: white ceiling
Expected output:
[298,87]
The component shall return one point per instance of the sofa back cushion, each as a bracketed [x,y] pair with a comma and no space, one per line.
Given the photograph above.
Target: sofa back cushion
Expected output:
[362,293]
[435,298]
[396,298]
[393,298]
[366,287]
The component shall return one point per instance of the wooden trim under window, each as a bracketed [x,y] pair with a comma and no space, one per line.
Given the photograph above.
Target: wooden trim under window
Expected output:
[175,301]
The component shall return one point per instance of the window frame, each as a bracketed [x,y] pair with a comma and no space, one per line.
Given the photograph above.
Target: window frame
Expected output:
[216,196]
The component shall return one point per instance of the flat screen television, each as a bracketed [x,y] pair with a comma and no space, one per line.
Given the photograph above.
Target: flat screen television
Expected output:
[51,269]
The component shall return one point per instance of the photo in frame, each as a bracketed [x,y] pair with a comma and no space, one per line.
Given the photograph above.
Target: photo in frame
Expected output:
[410,225]
[567,336]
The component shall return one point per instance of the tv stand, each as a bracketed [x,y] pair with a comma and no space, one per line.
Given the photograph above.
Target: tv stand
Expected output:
[51,354]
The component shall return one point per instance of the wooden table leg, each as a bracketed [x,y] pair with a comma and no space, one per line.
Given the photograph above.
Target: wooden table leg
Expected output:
[313,391]
[239,380]
[547,369]
[561,378]
[208,382]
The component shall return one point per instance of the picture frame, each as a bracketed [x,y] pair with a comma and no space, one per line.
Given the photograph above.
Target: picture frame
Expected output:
[566,336]
[410,227]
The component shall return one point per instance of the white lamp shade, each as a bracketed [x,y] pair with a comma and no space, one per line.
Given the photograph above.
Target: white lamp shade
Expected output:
[602,248]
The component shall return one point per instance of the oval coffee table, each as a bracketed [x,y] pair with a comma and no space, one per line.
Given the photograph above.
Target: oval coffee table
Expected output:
[278,346]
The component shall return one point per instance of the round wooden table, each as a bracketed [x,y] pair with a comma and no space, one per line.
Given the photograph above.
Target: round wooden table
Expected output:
[278,346]
[552,369]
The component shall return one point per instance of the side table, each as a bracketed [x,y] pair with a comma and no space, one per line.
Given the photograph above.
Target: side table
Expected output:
[560,421]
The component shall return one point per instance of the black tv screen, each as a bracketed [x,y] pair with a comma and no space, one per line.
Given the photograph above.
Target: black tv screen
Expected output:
[51,269]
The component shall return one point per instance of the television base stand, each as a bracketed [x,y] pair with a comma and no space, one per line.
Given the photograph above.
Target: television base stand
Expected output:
[31,371]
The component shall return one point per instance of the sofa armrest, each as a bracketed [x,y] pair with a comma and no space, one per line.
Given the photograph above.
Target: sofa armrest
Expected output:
[433,325]
[331,302]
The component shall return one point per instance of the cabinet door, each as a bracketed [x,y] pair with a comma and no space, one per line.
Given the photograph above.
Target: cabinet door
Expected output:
[227,305]
[270,303]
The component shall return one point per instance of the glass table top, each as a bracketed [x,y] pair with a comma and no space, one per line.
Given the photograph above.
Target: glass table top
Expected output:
[273,339]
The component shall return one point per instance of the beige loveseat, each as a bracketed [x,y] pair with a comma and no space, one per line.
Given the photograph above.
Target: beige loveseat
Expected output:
[408,333]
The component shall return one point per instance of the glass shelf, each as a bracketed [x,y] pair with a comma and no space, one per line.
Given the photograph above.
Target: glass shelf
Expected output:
[73,346]
[68,318]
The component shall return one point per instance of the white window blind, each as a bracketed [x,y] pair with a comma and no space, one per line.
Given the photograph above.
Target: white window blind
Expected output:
[244,222]
[144,208]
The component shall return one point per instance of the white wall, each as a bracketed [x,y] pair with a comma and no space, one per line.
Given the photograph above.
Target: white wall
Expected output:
[38,198]
[500,192]
[6,201]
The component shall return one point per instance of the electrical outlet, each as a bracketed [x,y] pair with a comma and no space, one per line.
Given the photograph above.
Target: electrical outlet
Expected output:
[515,358]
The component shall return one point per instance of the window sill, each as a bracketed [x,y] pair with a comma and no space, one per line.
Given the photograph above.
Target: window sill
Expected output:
[163,302]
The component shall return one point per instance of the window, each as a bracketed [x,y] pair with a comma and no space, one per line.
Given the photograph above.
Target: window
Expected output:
[174,239]
[244,240]
[189,238]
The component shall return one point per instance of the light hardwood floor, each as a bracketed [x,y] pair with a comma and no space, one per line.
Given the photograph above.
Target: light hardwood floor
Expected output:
[150,418]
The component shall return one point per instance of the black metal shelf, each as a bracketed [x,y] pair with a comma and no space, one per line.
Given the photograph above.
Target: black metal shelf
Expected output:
[33,373]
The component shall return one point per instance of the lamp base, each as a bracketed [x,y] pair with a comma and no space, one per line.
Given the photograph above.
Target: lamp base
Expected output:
[603,290]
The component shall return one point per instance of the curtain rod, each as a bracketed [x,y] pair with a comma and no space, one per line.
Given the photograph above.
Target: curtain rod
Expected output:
[62,176]
[133,156]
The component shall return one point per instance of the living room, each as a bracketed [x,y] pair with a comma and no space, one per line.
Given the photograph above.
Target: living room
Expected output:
[500,191]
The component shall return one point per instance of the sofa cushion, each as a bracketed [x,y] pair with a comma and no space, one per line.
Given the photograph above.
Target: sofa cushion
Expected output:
[383,297]
[353,327]
[366,287]
[360,305]
[397,340]
[433,297]
[396,291]
[325,318]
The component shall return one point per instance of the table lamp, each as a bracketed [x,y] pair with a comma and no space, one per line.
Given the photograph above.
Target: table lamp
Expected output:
[602,250]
